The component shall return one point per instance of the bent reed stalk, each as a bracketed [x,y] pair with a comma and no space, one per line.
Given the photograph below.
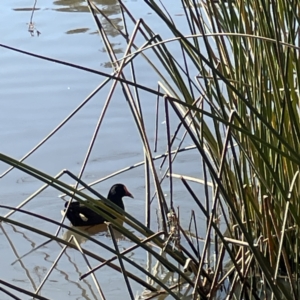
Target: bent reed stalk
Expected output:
[231,83]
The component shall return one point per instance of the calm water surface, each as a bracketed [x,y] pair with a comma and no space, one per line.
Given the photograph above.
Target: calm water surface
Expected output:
[36,96]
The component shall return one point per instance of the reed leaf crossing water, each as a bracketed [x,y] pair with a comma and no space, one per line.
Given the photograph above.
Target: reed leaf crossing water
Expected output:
[228,85]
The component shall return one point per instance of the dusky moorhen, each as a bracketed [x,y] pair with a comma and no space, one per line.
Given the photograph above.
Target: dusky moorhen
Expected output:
[80,215]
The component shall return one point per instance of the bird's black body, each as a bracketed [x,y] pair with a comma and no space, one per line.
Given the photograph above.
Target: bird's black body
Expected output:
[80,215]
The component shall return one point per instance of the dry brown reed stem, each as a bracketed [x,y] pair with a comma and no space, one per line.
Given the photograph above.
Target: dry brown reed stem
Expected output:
[156,121]
[169,152]
[281,250]
[137,117]
[64,188]
[19,259]
[245,283]
[217,272]
[215,227]
[281,235]
[217,176]
[193,219]
[163,292]
[147,165]
[89,266]
[206,197]
[193,179]
[233,283]
[187,114]
[60,125]
[174,236]
[38,192]
[176,151]
[195,260]
[59,240]
[232,268]
[147,193]
[57,260]
[129,289]
[32,196]
[52,267]
[164,280]
[108,77]
[110,94]
[138,164]
[148,239]
[63,172]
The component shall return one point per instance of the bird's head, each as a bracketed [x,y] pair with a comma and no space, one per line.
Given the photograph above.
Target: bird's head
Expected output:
[118,191]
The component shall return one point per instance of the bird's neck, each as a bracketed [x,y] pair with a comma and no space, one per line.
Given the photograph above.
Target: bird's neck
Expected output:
[116,200]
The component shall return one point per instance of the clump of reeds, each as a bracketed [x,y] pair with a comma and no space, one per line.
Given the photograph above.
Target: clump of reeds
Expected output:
[234,93]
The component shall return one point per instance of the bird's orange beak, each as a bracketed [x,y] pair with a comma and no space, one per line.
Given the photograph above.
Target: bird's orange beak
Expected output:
[127,193]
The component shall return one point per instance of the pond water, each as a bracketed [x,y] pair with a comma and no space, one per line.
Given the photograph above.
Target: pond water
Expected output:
[36,95]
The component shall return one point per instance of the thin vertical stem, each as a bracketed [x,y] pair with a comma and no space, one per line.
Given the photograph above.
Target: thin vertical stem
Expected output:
[88,264]
[147,193]
[156,121]
[169,152]
[120,261]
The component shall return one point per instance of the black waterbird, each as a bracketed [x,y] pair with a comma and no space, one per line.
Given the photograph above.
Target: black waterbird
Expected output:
[81,215]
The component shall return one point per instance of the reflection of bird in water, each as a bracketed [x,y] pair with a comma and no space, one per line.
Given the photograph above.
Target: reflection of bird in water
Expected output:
[80,215]
[90,231]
